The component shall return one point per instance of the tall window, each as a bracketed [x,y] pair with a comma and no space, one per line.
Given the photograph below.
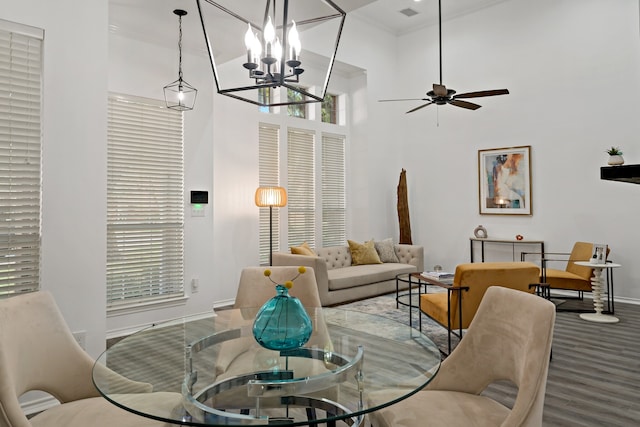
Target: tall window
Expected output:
[333,190]
[269,171]
[145,209]
[329,109]
[296,110]
[264,96]
[20,157]
[301,186]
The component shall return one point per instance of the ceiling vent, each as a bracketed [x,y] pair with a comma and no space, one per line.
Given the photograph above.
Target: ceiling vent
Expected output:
[408,12]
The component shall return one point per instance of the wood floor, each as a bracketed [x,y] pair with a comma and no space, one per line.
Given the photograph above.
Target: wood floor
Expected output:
[594,375]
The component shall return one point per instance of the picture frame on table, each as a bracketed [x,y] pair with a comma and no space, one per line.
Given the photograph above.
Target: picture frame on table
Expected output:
[504,181]
[599,254]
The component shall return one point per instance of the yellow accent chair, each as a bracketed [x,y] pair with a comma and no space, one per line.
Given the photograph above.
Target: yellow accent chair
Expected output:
[456,308]
[509,339]
[574,277]
[38,352]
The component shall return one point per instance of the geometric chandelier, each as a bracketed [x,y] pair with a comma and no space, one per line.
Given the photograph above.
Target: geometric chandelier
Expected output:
[180,95]
[257,47]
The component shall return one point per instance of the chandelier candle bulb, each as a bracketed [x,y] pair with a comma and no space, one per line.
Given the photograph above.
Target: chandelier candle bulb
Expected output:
[294,43]
[249,41]
[269,34]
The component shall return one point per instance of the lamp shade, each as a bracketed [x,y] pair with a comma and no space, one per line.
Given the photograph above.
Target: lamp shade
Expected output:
[271,197]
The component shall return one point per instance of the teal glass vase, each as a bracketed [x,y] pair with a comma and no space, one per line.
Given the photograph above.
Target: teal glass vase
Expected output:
[282,323]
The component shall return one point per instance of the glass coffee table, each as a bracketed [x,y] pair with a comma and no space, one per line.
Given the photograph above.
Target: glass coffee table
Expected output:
[211,371]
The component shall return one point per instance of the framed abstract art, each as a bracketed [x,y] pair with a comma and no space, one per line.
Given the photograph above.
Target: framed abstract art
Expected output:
[504,177]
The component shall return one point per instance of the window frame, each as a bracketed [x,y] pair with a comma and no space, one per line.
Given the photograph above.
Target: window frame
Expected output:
[145,202]
[332,111]
[21,141]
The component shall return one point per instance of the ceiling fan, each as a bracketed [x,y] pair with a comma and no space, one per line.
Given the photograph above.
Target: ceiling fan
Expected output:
[440,95]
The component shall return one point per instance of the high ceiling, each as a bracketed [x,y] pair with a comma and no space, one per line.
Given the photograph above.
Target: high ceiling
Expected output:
[153,20]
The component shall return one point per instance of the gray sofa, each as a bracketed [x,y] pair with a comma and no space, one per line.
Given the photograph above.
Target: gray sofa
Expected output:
[339,281]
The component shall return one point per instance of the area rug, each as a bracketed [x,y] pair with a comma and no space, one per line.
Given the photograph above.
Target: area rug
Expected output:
[385,305]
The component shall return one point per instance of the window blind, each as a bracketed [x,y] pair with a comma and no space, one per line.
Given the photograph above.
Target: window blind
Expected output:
[269,175]
[333,190]
[20,157]
[145,213]
[301,186]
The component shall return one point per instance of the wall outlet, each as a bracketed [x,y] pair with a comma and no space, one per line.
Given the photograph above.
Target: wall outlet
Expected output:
[195,285]
[81,338]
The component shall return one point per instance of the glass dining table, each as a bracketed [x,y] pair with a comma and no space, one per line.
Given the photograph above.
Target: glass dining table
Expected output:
[212,372]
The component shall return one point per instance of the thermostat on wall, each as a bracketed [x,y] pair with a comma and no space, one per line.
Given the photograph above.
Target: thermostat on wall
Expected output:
[199,197]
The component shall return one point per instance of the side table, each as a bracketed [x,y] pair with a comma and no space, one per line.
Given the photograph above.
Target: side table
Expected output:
[406,278]
[597,283]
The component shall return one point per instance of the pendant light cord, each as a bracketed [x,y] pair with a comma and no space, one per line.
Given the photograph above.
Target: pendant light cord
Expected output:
[440,35]
[180,48]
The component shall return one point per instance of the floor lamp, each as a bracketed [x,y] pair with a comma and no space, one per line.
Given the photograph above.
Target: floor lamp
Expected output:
[271,197]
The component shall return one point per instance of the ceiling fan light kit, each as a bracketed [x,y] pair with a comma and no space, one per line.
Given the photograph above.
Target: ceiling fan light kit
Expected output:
[441,95]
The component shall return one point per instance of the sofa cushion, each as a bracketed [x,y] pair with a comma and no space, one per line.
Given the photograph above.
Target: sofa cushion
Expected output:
[303,249]
[360,275]
[363,253]
[335,256]
[386,250]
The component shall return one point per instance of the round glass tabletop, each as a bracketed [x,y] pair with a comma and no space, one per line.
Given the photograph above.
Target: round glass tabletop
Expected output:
[211,371]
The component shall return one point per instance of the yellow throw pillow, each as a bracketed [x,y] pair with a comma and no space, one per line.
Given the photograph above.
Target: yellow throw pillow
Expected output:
[303,249]
[363,253]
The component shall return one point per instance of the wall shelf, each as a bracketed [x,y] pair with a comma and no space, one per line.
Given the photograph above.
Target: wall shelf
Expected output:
[624,173]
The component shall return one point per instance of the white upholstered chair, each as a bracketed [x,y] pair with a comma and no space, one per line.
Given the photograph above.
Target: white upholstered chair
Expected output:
[509,339]
[38,352]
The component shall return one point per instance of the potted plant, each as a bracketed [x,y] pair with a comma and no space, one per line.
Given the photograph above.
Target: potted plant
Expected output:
[615,156]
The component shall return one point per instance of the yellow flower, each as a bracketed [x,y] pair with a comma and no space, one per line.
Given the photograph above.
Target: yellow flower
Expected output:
[289,283]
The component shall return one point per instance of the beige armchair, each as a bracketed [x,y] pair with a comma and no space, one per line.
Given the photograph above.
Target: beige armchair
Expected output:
[509,339]
[38,352]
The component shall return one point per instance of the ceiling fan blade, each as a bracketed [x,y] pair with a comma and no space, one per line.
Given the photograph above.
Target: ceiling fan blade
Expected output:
[417,108]
[439,90]
[482,93]
[403,99]
[464,104]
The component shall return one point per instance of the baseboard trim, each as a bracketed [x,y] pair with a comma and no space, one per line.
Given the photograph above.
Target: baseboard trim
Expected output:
[589,295]
[122,332]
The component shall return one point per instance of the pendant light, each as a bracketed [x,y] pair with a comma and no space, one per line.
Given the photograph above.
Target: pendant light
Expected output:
[180,95]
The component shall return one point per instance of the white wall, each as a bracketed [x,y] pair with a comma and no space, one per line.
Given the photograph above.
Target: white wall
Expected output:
[573,69]
[74,156]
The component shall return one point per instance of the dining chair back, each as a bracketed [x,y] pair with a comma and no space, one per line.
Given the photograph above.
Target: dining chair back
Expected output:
[509,339]
[39,352]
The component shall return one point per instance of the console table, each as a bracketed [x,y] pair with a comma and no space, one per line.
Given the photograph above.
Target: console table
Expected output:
[512,242]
